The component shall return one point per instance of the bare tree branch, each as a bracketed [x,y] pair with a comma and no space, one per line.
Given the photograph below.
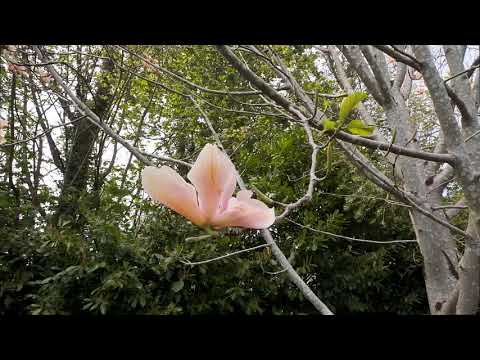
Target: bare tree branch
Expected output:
[223,256]
[294,110]
[372,144]
[355,58]
[469,281]
[43,133]
[350,238]
[400,56]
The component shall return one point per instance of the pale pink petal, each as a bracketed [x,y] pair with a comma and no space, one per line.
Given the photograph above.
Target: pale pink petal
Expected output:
[213,176]
[245,212]
[168,188]
[244,195]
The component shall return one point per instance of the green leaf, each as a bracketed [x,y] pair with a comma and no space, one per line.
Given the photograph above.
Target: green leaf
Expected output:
[329,124]
[349,103]
[177,286]
[358,127]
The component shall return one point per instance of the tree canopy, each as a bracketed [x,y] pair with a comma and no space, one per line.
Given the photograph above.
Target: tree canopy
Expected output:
[367,153]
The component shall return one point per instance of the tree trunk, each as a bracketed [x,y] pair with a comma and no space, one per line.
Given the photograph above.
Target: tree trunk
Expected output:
[78,160]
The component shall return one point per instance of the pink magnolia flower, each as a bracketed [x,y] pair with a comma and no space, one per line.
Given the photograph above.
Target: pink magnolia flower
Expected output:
[390,60]
[18,69]
[209,201]
[148,64]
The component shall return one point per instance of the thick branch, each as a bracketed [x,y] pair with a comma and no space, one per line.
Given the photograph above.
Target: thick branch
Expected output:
[377,63]
[355,58]
[469,280]
[372,144]
[253,78]
[462,88]
[441,100]
[400,56]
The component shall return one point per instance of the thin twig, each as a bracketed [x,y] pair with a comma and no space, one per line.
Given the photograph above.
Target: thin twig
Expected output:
[366,197]
[461,73]
[166,158]
[265,198]
[441,185]
[274,272]
[198,238]
[471,136]
[223,256]
[313,178]
[435,208]
[185,81]
[350,238]
[256,113]
[45,132]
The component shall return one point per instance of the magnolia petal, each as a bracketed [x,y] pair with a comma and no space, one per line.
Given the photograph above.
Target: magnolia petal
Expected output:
[245,212]
[214,178]
[244,195]
[168,188]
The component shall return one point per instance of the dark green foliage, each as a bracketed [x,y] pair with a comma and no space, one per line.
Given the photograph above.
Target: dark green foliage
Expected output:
[113,267]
